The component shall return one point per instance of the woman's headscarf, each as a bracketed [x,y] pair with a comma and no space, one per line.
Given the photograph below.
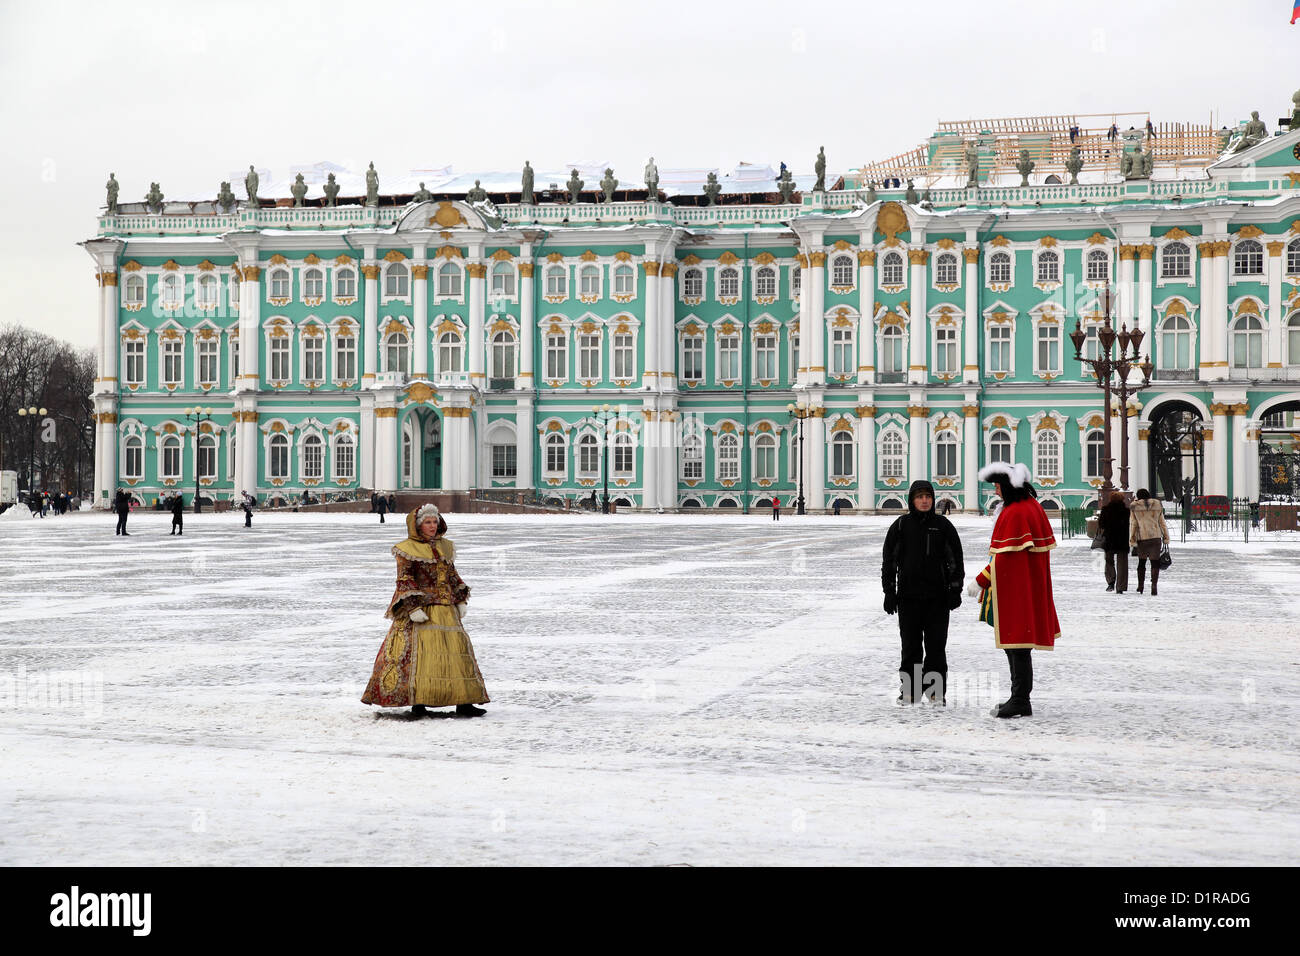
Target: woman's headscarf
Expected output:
[416,546]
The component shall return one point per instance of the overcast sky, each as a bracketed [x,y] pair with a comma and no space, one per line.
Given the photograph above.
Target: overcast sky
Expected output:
[186,93]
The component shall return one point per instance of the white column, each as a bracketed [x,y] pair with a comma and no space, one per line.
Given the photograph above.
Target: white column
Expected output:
[668,432]
[650,453]
[667,332]
[1143,317]
[250,332]
[477,272]
[815,446]
[108,331]
[1239,451]
[1133,453]
[420,286]
[653,325]
[366,440]
[1220,323]
[801,376]
[970,374]
[918,436]
[386,447]
[1124,315]
[106,477]
[248,449]
[867,308]
[370,347]
[816,334]
[867,456]
[918,370]
[525,442]
[1275,309]
[458,450]
[1217,453]
[1140,468]
[970,449]
[1250,450]
[527,330]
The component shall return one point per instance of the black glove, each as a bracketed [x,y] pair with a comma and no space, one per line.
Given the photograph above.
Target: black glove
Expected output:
[954,598]
[891,603]
[1135,552]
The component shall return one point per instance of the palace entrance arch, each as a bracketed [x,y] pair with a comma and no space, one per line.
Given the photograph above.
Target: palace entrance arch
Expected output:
[1176,450]
[421,463]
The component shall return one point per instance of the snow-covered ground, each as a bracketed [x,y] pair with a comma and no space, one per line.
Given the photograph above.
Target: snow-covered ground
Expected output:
[702,690]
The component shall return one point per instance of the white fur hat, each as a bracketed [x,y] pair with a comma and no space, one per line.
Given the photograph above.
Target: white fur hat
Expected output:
[1011,473]
[426,511]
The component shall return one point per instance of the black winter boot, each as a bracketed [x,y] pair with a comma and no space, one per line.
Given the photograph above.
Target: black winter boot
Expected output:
[469,710]
[1013,708]
[419,710]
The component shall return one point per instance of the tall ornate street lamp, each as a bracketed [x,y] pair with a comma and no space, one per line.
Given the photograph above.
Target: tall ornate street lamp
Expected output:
[799,413]
[1104,366]
[34,413]
[604,414]
[198,416]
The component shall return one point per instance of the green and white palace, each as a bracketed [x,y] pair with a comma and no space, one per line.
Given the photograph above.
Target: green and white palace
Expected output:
[455,332]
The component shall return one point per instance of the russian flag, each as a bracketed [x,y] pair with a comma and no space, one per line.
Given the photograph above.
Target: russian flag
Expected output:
[1295,13]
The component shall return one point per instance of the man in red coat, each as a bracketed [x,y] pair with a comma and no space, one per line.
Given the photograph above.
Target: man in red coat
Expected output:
[1016,586]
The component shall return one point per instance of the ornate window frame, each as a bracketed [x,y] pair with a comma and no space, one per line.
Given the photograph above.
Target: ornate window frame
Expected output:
[502,263]
[948,317]
[339,437]
[1088,424]
[1046,316]
[1002,315]
[315,329]
[941,424]
[276,328]
[729,431]
[692,271]
[556,267]
[128,431]
[343,327]
[1053,422]
[206,331]
[502,324]
[395,325]
[278,270]
[1248,308]
[842,430]
[691,327]
[342,264]
[391,263]
[883,257]
[765,433]
[1175,306]
[843,253]
[311,428]
[764,325]
[1000,421]
[1253,236]
[892,426]
[845,320]
[727,263]
[992,249]
[727,327]
[446,258]
[763,263]
[586,325]
[886,320]
[623,323]
[171,336]
[1048,248]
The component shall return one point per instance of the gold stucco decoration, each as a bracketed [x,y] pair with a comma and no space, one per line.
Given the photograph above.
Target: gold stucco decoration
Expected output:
[999,240]
[447,216]
[891,220]
[588,256]
[728,258]
[394,255]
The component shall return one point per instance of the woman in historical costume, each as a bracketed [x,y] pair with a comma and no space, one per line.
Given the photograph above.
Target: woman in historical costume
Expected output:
[1148,535]
[426,659]
[1015,588]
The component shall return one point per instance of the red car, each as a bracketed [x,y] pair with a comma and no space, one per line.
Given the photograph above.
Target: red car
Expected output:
[1210,506]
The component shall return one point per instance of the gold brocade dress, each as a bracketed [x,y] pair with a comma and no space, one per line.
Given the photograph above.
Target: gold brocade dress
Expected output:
[430,662]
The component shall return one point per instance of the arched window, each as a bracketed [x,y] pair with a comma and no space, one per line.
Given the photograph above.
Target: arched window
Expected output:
[503,355]
[134,457]
[503,279]
[449,280]
[171,292]
[1000,446]
[280,282]
[1292,258]
[171,457]
[893,455]
[313,284]
[1248,258]
[1095,445]
[313,457]
[728,458]
[945,454]
[1000,267]
[842,455]
[589,281]
[624,280]
[1048,449]
[1293,339]
[623,454]
[343,458]
[135,290]
[207,457]
[555,454]
[397,280]
[692,457]
[1098,265]
[588,455]
[279,456]
[396,352]
[796,281]
[208,292]
[557,281]
[693,283]
[1176,261]
[891,349]
[842,271]
[1049,267]
[729,283]
[1175,345]
[945,269]
[765,457]
[765,282]
[345,284]
[891,269]
[1247,342]
[449,352]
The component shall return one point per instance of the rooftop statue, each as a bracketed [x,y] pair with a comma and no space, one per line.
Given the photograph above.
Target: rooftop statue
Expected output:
[250,184]
[477,194]
[299,191]
[1024,167]
[712,188]
[331,191]
[652,180]
[1255,132]
[926,202]
[819,168]
[225,198]
[871,193]
[154,201]
[1073,165]
[1147,163]
[372,186]
[422,194]
[910,195]
[1295,111]
[526,194]
[575,186]
[608,185]
[111,186]
[972,166]
[785,186]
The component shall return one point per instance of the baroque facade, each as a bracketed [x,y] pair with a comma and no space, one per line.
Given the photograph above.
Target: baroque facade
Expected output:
[461,341]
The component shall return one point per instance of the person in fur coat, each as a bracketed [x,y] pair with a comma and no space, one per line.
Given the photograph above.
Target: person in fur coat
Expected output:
[1015,588]
[1147,535]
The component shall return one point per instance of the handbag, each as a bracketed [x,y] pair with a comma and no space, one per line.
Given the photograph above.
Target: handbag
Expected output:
[1164,561]
[1099,541]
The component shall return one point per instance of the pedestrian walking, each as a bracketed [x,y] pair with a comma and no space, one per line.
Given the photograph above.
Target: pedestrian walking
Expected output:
[1112,521]
[776,508]
[1148,535]
[122,505]
[427,659]
[1015,587]
[178,514]
[246,502]
[921,574]
[381,505]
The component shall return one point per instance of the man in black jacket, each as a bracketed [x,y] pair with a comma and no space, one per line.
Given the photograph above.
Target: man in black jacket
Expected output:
[921,576]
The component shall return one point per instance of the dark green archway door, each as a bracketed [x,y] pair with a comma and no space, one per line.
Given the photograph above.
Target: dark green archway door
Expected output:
[431,441]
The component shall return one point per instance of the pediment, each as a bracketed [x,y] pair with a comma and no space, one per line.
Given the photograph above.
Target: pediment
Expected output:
[1274,152]
[444,216]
